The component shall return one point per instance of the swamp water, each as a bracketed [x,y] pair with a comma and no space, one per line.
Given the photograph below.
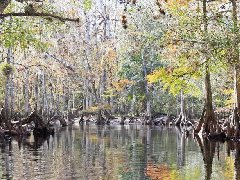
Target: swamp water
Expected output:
[119,152]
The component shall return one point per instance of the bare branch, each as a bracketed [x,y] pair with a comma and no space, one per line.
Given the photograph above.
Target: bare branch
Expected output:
[189,41]
[29,66]
[62,61]
[39,15]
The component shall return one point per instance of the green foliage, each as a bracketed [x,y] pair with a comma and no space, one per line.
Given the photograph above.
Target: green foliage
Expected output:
[87,5]
[7,69]
[16,32]
[173,50]
[175,79]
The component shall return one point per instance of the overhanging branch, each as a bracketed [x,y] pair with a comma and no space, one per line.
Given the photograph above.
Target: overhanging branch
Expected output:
[39,15]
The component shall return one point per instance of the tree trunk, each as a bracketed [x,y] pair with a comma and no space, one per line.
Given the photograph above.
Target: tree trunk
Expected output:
[237,161]
[51,101]
[208,151]
[12,95]
[87,82]
[7,89]
[132,109]
[147,102]
[209,124]
[26,92]
[36,93]
[182,115]
[200,123]
[235,59]
[45,96]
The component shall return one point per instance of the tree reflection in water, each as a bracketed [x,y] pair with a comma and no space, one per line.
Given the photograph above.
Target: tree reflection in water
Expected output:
[181,138]
[119,152]
[237,161]
[208,150]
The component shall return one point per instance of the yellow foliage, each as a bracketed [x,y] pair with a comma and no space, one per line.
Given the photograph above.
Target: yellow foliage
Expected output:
[121,84]
[111,54]
[173,3]
[93,138]
[176,5]
[229,103]
[228,170]
[93,109]
[172,48]
[156,75]
[174,79]
[228,91]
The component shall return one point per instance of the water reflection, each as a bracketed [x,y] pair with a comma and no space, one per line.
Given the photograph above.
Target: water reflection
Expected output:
[119,152]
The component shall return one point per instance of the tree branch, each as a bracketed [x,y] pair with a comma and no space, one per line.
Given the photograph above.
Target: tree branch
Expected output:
[189,41]
[61,61]
[39,15]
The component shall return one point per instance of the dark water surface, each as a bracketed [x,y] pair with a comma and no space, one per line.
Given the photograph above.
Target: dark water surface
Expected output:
[119,152]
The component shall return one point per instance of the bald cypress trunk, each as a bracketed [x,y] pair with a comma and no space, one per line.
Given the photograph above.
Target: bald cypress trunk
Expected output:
[209,121]
[147,103]
[7,89]
[236,68]
[26,92]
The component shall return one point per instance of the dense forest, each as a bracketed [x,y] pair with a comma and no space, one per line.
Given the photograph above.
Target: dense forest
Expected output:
[133,59]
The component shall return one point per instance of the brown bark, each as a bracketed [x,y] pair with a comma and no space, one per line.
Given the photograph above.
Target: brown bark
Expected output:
[200,123]
[209,124]
[229,131]
[210,121]
[208,150]
[38,121]
[100,119]
[235,59]
[38,15]
[237,161]
[4,4]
